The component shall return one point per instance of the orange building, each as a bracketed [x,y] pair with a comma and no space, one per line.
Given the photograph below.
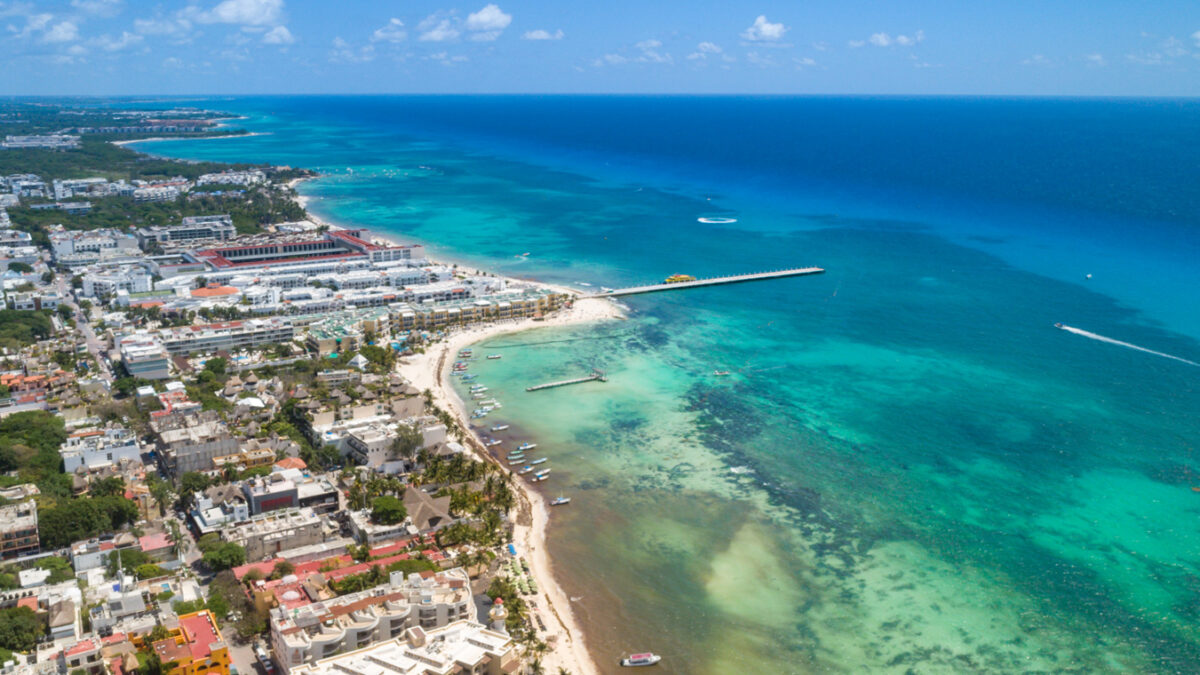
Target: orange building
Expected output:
[195,647]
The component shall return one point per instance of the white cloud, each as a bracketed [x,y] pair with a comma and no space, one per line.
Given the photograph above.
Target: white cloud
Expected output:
[540,34]
[33,24]
[1095,59]
[445,59]
[77,50]
[344,52]
[760,60]
[244,12]
[649,44]
[1147,58]
[98,7]
[1037,60]
[764,31]
[393,31]
[1196,38]
[490,18]
[63,31]
[805,62]
[278,35]
[487,24]
[709,48]
[610,59]
[171,62]
[111,44]
[886,40]
[437,29]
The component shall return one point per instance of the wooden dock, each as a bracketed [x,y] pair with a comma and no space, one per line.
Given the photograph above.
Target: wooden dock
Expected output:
[714,281]
[596,376]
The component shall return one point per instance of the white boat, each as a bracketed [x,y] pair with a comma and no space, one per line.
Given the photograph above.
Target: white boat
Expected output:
[560,500]
[494,356]
[524,470]
[541,460]
[500,427]
[541,475]
[494,441]
[527,446]
[646,659]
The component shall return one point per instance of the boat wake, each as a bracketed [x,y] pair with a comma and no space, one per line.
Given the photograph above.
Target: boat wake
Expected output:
[1101,338]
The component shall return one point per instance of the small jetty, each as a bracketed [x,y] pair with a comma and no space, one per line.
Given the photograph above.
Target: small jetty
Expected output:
[596,376]
[714,281]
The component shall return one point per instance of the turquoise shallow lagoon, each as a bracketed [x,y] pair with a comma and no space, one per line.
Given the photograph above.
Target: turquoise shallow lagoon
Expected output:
[908,467]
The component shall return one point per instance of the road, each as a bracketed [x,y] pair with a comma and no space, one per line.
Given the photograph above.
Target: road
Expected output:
[83,322]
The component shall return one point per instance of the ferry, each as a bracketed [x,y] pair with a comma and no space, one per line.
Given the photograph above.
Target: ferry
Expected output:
[500,427]
[560,500]
[541,460]
[527,446]
[495,356]
[646,659]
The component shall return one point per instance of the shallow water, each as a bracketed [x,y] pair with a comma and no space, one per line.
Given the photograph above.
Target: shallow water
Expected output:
[929,475]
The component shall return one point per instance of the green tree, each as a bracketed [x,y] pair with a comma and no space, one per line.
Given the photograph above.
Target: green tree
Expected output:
[388,510]
[106,487]
[407,442]
[225,556]
[19,629]
[23,268]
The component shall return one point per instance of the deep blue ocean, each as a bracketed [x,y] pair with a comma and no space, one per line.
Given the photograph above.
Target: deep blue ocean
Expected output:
[909,467]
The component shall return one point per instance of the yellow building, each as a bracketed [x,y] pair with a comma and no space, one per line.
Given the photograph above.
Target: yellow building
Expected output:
[195,647]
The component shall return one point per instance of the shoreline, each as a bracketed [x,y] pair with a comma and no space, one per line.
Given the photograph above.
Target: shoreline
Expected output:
[431,371]
[155,139]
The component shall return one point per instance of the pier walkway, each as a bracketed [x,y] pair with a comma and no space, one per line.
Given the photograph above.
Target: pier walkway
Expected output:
[596,376]
[714,281]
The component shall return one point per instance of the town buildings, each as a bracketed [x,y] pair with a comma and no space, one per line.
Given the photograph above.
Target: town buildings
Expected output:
[18,529]
[93,449]
[191,229]
[302,632]
[461,647]
[144,357]
[190,441]
[269,533]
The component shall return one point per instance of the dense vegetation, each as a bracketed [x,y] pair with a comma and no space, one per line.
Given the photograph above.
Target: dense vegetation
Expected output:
[24,327]
[97,157]
[259,206]
[19,629]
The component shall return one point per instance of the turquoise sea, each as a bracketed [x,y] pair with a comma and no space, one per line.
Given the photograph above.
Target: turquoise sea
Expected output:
[909,469]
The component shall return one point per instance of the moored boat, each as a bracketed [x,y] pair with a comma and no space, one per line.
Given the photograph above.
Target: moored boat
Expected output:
[493,441]
[500,427]
[541,460]
[527,446]
[646,659]
[494,356]
[560,500]
[524,470]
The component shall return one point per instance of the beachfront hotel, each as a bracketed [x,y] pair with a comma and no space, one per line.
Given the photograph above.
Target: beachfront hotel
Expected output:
[461,647]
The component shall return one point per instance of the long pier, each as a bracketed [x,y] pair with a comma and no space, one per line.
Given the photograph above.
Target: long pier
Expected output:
[596,376]
[714,281]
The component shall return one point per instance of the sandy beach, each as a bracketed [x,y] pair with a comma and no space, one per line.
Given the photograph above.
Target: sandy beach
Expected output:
[188,138]
[431,371]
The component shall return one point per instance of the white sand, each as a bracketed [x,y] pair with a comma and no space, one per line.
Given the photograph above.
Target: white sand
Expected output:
[188,138]
[431,371]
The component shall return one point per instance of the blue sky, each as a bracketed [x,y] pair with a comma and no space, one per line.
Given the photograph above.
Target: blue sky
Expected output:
[615,46]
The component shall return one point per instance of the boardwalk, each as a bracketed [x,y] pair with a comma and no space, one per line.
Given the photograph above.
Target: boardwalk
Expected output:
[715,281]
[596,376]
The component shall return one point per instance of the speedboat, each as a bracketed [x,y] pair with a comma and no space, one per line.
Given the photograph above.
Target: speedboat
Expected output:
[720,372]
[646,659]
[560,500]
[527,446]
[500,427]
[494,356]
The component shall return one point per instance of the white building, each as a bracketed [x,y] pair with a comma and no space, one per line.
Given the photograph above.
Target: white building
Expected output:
[306,634]
[252,177]
[193,228]
[95,449]
[230,335]
[104,243]
[144,357]
[50,141]
[461,647]
[108,283]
